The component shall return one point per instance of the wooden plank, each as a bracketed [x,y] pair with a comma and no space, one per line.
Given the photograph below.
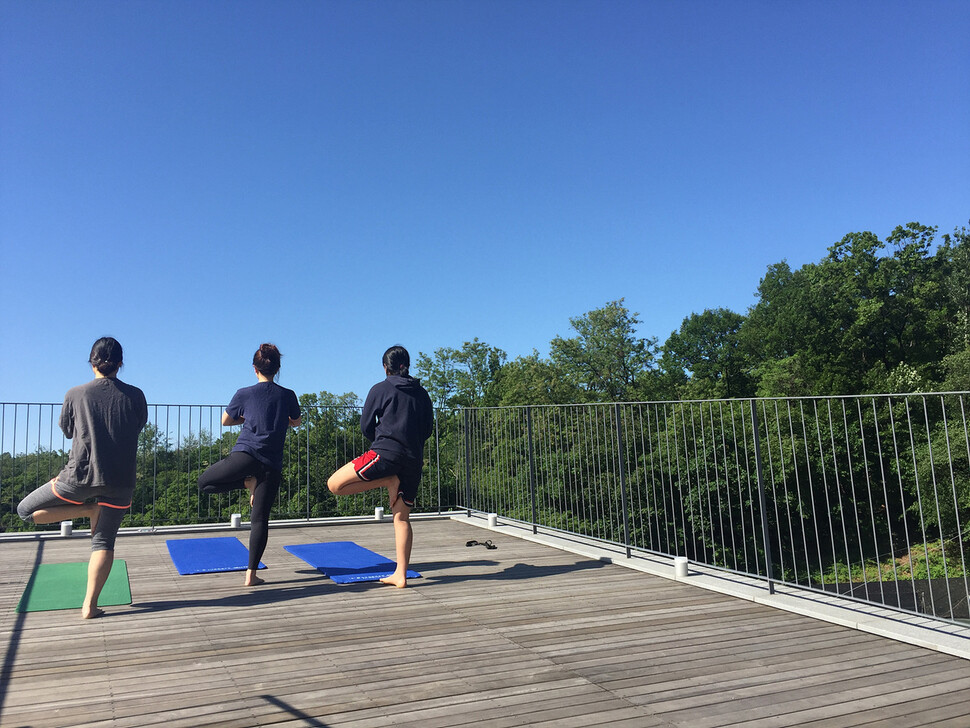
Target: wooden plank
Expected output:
[520,635]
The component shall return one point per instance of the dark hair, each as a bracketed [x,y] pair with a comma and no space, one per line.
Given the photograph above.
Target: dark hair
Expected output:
[267,360]
[106,356]
[397,360]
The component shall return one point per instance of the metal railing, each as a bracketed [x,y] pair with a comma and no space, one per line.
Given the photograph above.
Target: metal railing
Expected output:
[180,441]
[866,497]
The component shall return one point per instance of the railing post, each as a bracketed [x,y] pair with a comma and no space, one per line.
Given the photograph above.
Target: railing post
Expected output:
[532,472]
[306,431]
[437,455]
[622,461]
[468,461]
[755,426]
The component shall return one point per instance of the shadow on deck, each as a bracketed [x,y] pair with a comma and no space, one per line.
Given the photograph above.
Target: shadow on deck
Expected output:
[525,634]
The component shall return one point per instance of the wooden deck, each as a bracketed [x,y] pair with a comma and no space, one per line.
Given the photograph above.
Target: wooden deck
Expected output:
[521,635]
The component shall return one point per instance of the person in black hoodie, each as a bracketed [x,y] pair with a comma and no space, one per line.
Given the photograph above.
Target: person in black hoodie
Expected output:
[398,417]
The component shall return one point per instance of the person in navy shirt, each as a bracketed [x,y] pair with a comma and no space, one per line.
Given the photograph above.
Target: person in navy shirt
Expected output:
[398,417]
[266,411]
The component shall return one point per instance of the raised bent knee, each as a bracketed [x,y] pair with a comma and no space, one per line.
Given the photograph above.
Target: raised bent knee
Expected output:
[337,481]
[342,478]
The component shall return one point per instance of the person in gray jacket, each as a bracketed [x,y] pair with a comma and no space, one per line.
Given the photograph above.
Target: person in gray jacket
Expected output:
[103,418]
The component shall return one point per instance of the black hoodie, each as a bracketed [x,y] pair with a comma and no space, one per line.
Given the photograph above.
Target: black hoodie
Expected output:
[398,417]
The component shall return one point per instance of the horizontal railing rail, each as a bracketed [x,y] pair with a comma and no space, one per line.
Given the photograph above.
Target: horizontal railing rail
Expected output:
[865,497]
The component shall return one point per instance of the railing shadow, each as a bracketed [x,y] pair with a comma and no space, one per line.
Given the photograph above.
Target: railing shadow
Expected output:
[298,714]
[10,655]
[509,573]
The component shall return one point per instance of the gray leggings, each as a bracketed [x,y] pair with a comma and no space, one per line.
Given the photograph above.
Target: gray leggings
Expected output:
[109,521]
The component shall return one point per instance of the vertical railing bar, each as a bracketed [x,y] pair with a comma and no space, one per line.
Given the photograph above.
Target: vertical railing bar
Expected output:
[774,486]
[902,500]
[594,442]
[752,543]
[670,522]
[784,481]
[653,506]
[885,495]
[697,475]
[825,490]
[437,457]
[466,415]
[3,430]
[966,440]
[855,502]
[639,456]
[872,511]
[756,430]
[939,518]
[838,491]
[919,500]
[798,490]
[513,471]
[557,474]
[718,537]
[681,547]
[811,486]
[532,469]
[623,494]
[956,508]
[551,492]
[727,484]
[612,476]
[595,467]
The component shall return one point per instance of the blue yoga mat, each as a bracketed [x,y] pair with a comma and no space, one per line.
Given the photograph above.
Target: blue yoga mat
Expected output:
[206,555]
[345,561]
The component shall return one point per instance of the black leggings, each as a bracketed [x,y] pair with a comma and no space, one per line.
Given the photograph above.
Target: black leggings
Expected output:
[230,473]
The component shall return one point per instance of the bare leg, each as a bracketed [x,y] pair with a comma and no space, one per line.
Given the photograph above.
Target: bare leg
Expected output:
[346,482]
[403,538]
[67,513]
[99,567]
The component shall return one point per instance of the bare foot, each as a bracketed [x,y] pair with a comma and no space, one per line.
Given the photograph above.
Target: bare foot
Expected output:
[252,579]
[394,580]
[91,614]
[250,483]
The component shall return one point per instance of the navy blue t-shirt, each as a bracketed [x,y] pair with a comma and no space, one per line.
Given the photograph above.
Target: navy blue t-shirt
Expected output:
[267,409]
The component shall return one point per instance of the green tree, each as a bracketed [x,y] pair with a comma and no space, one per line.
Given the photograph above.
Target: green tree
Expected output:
[607,359]
[462,377]
[858,321]
[707,347]
[533,380]
[956,250]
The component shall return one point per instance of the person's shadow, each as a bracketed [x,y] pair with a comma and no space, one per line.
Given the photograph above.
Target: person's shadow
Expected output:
[314,583]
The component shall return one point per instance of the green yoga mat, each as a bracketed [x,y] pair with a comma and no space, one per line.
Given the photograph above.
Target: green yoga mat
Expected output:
[62,586]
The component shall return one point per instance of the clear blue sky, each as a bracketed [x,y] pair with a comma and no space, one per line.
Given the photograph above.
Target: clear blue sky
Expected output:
[195,178]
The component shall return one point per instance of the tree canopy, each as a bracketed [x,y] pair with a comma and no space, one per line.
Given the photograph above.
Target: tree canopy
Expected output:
[872,316]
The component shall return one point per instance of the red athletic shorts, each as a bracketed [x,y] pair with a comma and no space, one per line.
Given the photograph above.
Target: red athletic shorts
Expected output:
[373,466]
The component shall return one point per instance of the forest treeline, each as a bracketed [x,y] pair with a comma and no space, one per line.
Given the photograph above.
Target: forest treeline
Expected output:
[872,316]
